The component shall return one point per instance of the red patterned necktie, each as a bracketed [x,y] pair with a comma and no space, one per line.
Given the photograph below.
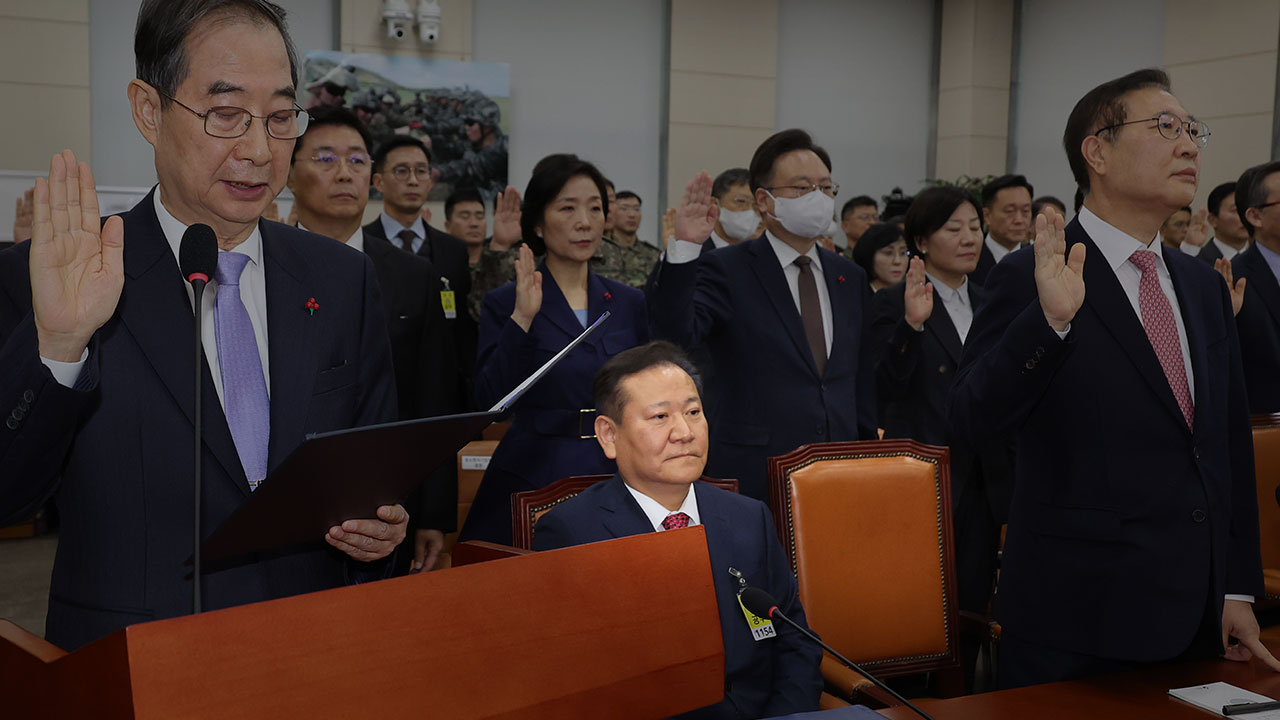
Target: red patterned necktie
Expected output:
[1162,331]
[675,521]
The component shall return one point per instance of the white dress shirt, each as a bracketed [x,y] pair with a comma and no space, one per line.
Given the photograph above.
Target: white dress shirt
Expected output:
[392,228]
[998,251]
[1116,247]
[682,251]
[1227,251]
[956,303]
[657,513]
[718,241]
[253,293]
[356,241]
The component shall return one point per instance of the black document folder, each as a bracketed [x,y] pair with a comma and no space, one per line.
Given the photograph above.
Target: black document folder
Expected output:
[347,474]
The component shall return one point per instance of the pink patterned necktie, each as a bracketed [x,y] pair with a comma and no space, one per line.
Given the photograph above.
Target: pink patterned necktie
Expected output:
[675,521]
[1162,331]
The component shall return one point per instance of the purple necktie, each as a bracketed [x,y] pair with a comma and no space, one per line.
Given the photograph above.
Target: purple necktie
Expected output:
[244,389]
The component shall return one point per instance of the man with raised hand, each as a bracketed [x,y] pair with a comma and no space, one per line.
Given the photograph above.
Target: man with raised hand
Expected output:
[1133,532]
[95,329]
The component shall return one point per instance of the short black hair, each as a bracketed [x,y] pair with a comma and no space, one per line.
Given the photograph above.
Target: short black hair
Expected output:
[466,193]
[1251,190]
[730,178]
[160,36]
[1101,107]
[1038,204]
[549,177]
[1078,200]
[877,236]
[856,202]
[1218,194]
[397,141]
[628,194]
[774,147]
[931,209]
[1004,182]
[332,117]
[607,390]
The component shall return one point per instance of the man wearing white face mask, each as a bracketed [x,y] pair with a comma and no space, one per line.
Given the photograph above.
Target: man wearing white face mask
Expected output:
[739,220]
[784,321]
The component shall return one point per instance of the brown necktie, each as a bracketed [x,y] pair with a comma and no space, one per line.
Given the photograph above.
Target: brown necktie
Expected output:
[406,239]
[811,313]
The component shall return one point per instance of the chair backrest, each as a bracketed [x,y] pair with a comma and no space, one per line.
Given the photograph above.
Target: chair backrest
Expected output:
[527,507]
[1266,461]
[867,527]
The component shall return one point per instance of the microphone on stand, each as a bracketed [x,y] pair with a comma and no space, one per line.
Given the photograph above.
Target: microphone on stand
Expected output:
[762,604]
[198,259]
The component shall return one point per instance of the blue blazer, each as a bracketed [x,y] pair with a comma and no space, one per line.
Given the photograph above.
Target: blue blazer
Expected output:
[116,448]
[762,679]
[768,398]
[1127,528]
[1259,327]
[545,441]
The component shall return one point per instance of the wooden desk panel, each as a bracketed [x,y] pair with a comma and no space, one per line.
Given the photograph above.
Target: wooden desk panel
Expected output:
[1138,695]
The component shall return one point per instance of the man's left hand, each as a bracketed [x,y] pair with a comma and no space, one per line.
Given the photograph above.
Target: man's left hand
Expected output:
[369,540]
[1238,620]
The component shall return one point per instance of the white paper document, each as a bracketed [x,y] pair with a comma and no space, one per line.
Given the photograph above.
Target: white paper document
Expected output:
[1214,696]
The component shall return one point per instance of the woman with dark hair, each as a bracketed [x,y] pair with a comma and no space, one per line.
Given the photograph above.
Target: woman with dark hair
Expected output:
[927,317]
[882,252]
[523,324]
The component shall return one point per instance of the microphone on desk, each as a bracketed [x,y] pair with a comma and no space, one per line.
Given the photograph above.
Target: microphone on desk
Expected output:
[198,259]
[761,604]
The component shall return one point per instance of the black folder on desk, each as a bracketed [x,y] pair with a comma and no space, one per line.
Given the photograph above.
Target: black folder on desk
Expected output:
[347,474]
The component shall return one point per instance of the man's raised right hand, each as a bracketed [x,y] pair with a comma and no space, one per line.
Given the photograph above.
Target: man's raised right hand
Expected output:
[77,263]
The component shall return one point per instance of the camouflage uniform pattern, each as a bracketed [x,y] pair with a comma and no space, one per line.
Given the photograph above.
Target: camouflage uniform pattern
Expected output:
[492,271]
[625,265]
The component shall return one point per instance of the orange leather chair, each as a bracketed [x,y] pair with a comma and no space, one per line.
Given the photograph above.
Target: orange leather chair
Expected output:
[527,507]
[1266,461]
[867,526]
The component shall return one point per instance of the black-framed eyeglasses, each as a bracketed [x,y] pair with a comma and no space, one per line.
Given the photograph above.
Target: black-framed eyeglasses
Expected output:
[1267,205]
[228,121]
[829,188]
[1171,127]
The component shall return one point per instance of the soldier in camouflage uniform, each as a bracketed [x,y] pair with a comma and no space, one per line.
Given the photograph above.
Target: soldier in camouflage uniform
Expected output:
[483,163]
[630,265]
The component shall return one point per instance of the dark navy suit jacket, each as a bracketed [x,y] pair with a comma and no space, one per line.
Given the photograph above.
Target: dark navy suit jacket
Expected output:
[116,448]
[768,397]
[1127,528]
[545,441]
[1259,327]
[762,679]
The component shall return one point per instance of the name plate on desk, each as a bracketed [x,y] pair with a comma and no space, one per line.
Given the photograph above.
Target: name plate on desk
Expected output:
[475,462]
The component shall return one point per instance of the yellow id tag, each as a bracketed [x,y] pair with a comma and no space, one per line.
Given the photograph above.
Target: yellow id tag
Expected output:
[761,629]
[449,304]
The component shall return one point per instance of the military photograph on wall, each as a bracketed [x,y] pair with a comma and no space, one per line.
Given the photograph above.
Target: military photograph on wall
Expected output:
[459,109]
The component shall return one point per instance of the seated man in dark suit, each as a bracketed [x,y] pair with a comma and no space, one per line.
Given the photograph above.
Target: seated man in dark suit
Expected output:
[651,422]
[329,177]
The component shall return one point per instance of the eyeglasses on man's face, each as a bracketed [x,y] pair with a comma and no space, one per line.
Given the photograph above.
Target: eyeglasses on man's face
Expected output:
[228,121]
[1171,127]
[402,172]
[799,189]
[328,160]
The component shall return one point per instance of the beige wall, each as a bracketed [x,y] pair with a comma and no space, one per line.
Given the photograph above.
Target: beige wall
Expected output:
[44,46]
[723,82]
[973,87]
[1223,68]
[361,30]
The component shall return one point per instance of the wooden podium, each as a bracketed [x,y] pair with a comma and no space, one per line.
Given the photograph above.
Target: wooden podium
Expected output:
[599,630]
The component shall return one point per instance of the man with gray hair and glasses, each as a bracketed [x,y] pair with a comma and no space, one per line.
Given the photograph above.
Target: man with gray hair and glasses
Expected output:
[95,328]
[1133,531]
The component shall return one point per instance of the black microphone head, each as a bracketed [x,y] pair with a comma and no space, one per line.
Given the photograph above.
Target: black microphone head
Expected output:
[758,602]
[198,253]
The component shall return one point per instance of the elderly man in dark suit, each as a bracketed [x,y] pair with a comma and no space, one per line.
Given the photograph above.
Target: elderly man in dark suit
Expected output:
[651,422]
[329,178]
[784,321]
[1133,532]
[95,329]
